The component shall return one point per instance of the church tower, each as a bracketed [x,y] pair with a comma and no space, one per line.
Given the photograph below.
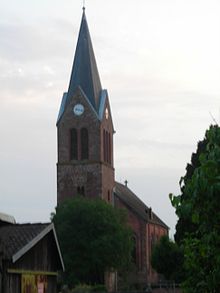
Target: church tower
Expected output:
[85,129]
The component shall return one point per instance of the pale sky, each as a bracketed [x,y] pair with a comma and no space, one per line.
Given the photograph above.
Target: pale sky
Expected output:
[159,61]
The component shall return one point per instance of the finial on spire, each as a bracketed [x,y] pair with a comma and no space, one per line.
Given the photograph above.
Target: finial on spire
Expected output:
[84,5]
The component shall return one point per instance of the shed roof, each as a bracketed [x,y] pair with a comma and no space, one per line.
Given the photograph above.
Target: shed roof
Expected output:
[17,239]
[137,205]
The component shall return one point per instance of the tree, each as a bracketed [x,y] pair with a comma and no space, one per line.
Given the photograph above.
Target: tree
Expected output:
[167,259]
[94,238]
[185,224]
[200,205]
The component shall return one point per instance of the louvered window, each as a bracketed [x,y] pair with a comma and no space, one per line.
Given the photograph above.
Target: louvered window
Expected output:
[107,148]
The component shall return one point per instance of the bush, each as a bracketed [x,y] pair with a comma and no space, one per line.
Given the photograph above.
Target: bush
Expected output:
[99,288]
[82,288]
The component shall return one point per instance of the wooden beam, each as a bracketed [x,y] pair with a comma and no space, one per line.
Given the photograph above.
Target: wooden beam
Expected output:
[23,272]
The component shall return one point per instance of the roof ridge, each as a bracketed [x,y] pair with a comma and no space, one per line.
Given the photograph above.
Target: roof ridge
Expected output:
[137,198]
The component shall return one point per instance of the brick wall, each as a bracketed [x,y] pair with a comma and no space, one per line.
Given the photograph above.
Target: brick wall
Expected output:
[94,175]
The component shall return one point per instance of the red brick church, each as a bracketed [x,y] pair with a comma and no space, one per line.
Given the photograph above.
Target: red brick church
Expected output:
[85,155]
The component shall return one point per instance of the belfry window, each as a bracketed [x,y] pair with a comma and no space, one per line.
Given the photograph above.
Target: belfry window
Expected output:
[107,148]
[104,145]
[84,144]
[73,144]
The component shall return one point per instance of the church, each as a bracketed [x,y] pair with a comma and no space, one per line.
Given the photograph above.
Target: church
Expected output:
[85,164]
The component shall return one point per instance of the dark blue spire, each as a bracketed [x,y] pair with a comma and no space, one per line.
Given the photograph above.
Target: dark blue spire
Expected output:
[85,72]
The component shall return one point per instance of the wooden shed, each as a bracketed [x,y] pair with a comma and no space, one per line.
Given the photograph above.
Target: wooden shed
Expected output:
[30,258]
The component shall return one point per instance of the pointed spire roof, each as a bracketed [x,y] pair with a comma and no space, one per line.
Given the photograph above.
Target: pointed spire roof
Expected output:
[85,72]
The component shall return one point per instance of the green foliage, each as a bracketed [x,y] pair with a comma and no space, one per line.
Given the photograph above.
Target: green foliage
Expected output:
[94,238]
[199,207]
[99,288]
[167,259]
[84,288]
[185,223]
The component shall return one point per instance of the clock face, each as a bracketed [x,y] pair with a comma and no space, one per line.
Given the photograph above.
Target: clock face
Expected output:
[78,109]
[106,113]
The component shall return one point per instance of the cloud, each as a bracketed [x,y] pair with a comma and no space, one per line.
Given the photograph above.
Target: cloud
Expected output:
[162,73]
[28,42]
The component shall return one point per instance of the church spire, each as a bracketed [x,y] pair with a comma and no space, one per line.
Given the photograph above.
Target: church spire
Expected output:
[85,72]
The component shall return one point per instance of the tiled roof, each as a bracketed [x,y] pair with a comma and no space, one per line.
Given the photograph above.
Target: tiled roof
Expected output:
[14,237]
[129,198]
[138,206]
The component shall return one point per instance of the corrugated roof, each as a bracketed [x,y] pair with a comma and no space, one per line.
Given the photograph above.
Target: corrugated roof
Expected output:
[85,72]
[138,206]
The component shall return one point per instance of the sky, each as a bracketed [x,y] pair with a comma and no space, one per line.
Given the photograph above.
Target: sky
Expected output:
[159,61]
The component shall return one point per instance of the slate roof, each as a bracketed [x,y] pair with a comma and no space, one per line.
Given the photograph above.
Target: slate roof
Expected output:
[135,204]
[17,239]
[85,76]
[14,237]
[85,72]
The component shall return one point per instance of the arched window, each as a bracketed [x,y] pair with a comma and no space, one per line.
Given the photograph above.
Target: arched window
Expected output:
[109,148]
[73,144]
[84,144]
[134,250]
[104,145]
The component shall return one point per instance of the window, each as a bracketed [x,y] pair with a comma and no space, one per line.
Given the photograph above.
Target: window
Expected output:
[109,196]
[84,144]
[104,145]
[80,190]
[134,250]
[107,148]
[73,144]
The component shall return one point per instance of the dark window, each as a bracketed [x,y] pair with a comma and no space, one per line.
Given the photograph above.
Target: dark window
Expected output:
[73,144]
[134,250]
[84,144]
[104,145]
[109,148]
[109,196]
[80,190]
